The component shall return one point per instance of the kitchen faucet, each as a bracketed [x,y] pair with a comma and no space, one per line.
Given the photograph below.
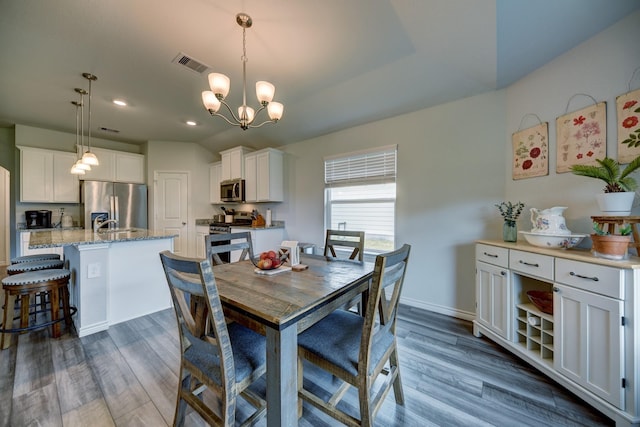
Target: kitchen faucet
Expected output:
[98,223]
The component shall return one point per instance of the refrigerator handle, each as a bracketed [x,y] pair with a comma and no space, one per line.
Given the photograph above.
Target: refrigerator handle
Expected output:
[116,210]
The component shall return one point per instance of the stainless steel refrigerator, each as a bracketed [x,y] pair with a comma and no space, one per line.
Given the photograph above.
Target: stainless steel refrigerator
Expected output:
[126,203]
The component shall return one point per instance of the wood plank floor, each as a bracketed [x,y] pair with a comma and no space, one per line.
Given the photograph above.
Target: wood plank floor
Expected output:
[127,376]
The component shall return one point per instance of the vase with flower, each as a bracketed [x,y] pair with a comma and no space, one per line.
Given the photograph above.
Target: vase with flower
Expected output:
[510,213]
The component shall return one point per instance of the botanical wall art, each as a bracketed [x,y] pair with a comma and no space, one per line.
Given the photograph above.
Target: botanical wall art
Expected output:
[628,122]
[531,152]
[581,137]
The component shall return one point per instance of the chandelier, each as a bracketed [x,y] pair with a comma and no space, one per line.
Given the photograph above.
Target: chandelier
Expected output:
[219,84]
[88,159]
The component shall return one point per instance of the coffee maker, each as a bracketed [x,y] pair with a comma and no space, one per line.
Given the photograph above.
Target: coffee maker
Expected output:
[38,219]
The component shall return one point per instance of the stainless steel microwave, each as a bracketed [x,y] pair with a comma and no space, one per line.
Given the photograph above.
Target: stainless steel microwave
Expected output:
[232,190]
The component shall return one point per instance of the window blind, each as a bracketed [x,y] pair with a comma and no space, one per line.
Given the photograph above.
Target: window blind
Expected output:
[378,165]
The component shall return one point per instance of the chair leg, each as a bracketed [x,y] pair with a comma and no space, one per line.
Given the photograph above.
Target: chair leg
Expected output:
[397,383]
[300,385]
[55,312]
[24,311]
[365,406]
[66,309]
[181,404]
[7,320]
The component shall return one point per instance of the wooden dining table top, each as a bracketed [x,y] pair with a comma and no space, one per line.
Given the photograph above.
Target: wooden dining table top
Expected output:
[279,300]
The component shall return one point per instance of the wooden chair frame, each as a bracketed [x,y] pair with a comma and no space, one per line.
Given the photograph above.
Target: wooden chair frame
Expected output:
[344,238]
[379,318]
[195,278]
[213,251]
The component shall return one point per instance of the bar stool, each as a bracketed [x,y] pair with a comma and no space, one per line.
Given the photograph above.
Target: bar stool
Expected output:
[24,285]
[36,257]
[23,267]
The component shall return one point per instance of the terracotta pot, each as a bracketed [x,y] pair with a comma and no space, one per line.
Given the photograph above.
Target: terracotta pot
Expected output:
[611,246]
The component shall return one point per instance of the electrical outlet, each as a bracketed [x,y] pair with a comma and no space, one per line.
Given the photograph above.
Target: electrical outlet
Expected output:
[93,270]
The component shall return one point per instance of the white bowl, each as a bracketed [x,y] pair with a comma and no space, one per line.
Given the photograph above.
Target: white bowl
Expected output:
[552,241]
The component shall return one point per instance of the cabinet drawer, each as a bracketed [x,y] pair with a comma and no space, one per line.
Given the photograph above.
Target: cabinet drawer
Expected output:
[492,255]
[532,264]
[599,279]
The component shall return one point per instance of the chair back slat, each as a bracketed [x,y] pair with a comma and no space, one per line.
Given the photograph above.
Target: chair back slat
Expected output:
[345,239]
[384,297]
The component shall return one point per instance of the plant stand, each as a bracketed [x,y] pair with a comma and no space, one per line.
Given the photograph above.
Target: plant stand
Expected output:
[612,221]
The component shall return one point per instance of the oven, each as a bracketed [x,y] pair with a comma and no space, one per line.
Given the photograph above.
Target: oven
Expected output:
[221,228]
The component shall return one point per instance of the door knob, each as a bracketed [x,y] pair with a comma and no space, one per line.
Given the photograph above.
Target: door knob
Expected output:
[184,223]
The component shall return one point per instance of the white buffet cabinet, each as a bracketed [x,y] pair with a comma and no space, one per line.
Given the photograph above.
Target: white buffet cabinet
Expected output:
[591,342]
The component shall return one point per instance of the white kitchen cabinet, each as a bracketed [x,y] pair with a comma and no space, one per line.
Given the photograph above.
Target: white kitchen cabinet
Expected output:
[264,176]
[45,176]
[201,232]
[262,239]
[492,289]
[214,182]
[591,342]
[116,166]
[232,164]
[23,248]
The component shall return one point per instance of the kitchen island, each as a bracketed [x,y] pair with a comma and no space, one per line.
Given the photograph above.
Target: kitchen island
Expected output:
[116,275]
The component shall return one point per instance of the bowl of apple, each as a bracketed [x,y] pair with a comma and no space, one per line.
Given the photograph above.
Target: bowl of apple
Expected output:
[268,260]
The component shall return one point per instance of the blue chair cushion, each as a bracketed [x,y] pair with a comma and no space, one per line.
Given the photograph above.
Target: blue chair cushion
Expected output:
[22,267]
[336,338]
[32,277]
[249,353]
[36,257]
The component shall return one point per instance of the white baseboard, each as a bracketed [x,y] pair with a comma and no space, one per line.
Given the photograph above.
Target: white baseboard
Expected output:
[448,311]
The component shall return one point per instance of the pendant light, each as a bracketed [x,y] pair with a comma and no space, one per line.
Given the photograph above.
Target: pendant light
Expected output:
[78,167]
[88,157]
[219,84]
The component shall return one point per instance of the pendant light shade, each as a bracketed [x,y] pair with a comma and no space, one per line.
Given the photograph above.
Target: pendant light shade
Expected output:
[88,158]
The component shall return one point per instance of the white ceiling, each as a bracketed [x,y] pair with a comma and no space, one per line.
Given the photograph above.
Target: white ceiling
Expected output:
[335,63]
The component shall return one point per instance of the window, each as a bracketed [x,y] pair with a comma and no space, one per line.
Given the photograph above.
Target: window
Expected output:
[360,195]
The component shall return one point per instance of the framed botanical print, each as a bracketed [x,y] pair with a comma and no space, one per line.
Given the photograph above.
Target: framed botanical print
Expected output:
[628,122]
[531,152]
[581,137]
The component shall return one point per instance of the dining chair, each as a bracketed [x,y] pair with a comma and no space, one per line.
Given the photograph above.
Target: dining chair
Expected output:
[226,360]
[358,349]
[350,240]
[341,239]
[216,244]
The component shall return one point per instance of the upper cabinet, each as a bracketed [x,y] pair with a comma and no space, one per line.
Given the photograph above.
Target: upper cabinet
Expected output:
[232,165]
[264,176]
[214,182]
[45,176]
[118,166]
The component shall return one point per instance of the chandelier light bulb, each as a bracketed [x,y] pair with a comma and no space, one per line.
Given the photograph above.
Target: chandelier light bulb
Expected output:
[265,92]
[246,114]
[275,110]
[219,84]
[210,101]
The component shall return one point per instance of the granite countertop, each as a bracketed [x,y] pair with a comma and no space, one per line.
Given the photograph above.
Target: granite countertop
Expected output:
[79,236]
[29,230]
[208,221]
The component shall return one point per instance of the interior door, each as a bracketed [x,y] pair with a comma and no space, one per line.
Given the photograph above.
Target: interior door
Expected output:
[171,208]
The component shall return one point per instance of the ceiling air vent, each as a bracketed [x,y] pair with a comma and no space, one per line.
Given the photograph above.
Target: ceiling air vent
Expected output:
[104,129]
[190,63]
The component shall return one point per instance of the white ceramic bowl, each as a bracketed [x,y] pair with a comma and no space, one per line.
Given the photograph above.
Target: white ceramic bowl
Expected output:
[552,241]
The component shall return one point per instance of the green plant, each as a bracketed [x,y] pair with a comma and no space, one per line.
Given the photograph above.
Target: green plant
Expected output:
[623,231]
[510,211]
[610,172]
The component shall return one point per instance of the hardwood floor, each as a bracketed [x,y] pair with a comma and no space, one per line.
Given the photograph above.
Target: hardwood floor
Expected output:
[127,376]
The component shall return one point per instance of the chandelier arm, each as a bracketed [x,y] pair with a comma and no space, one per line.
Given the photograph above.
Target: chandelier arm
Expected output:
[263,123]
[236,118]
[222,116]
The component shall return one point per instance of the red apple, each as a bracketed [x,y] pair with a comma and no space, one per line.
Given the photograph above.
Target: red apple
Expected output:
[276,263]
[272,255]
[264,255]
[267,264]
[261,264]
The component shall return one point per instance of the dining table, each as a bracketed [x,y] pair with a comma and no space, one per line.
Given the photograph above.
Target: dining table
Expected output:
[283,304]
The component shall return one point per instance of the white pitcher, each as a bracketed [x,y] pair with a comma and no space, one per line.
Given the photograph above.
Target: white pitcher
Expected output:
[549,221]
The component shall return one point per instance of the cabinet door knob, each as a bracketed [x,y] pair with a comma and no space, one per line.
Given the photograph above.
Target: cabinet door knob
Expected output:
[504,273]
[556,289]
[184,223]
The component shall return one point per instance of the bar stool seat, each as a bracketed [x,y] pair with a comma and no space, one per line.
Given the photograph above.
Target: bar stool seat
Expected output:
[23,267]
[36,257]
[24,285]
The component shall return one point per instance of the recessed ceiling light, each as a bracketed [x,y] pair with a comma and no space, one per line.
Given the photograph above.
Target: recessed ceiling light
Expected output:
[191,123]
[120,102]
